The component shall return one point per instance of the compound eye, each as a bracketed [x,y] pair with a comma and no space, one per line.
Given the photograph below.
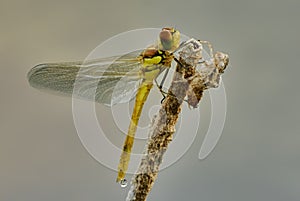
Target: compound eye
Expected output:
[166,39]
[165,35]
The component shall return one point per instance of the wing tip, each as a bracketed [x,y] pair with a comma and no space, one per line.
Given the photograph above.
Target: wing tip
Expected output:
[33,72]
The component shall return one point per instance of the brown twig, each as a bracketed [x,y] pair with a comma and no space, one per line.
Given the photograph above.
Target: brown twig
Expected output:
[163,126]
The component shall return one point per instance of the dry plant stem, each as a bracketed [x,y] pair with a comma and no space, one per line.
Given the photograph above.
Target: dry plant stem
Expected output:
[161,133]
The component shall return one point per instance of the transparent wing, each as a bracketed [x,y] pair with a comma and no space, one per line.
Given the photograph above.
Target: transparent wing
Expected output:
[125,90]
[93,80]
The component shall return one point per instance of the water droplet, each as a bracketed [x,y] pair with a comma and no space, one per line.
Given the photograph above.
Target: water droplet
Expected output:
[123,183]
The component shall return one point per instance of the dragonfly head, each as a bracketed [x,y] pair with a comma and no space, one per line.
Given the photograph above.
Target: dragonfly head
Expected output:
[221,61]
[169,39]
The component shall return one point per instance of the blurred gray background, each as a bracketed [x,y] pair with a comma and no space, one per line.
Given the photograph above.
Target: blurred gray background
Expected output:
[258,156]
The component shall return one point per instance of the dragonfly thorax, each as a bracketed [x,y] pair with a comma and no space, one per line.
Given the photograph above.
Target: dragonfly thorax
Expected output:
[154,62]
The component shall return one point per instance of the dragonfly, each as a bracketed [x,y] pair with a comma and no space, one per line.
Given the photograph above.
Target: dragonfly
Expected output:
[96,80]
[104,74]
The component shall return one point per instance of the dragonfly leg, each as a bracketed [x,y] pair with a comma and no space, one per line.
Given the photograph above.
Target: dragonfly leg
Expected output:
[177,61]
[163,93]
[164,78]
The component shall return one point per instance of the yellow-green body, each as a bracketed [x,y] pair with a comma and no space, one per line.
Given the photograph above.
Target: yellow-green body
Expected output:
[154,61]
[151,68]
